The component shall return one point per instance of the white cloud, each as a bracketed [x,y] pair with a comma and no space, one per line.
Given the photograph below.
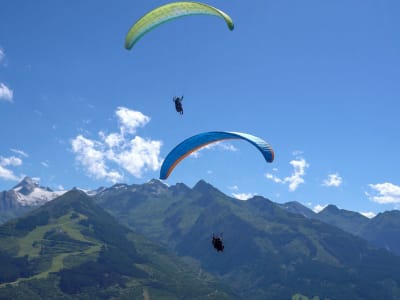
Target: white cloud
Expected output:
[20,152]
[369,215]
[38,112]
[384,193]
[233,188]
[2,54]
[113,139]
[296,178]
[7,174]
[6,93]
[297,153]
[10,161]
[45,164]
[334,180]
[240,196]
[317,208]
[137,155]
[36,179]
[225,146]
[130,120]
[6,162]
[90,154]
[133,154]
[243,196]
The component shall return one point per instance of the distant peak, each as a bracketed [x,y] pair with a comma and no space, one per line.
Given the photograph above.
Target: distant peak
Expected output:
[202,184]
[181,185]
[331,208]
[155,186]
[26,186]
[293,203]
[204,187]
[157,181]
[26,181]
[257,199]
[119,186]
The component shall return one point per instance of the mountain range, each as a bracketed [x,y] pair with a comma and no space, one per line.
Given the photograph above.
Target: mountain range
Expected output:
[272,251]
[381,231]
[70,248]
[23,197]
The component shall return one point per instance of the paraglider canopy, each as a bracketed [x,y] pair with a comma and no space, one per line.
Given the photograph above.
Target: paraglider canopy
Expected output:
[169,12]
[198,141]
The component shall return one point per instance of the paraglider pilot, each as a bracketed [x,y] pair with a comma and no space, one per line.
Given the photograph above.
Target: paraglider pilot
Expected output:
[178,104]
[217,243]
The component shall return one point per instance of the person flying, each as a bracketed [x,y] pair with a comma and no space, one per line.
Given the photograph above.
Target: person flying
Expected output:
[178,104]
[217,243]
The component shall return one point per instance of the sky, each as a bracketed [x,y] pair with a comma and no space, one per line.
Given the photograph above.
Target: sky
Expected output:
[318,80]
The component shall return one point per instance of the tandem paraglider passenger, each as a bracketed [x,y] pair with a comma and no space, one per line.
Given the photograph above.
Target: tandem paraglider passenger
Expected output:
[217,243]
[178,104]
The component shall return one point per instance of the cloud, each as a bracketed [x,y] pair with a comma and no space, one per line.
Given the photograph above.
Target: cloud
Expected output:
[225,146]
[5,163]
[243,196]
[297,153]
[2,54]
[7,174]
[36,179]
[137,155]
[233,188]
[90,154]
[10,161]
[384,193]
[130,120]
[133,154]
[369,215]
[240,196]
[20,152]
[296,178]
[317,208]
[333,180]
[6,93]
[45,164]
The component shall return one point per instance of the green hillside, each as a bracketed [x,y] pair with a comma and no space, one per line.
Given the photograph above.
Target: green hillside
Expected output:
[269,252]
[72,249]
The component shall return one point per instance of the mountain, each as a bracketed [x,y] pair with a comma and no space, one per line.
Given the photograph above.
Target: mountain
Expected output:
[269,253]
[384,231]
[381,231]
[349,221]
[295,207]
[70,248]
[23,197]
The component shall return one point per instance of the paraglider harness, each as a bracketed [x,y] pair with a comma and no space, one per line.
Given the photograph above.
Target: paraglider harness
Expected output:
[178,104]
[218,243]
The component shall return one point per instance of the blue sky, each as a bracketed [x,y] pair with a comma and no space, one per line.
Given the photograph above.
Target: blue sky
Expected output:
[318,80]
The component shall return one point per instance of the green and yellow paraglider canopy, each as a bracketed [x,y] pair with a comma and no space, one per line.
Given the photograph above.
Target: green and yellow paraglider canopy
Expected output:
[169,12]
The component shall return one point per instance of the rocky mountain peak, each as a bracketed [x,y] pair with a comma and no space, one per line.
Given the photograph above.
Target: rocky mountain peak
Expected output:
[26,186]
[331,209]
